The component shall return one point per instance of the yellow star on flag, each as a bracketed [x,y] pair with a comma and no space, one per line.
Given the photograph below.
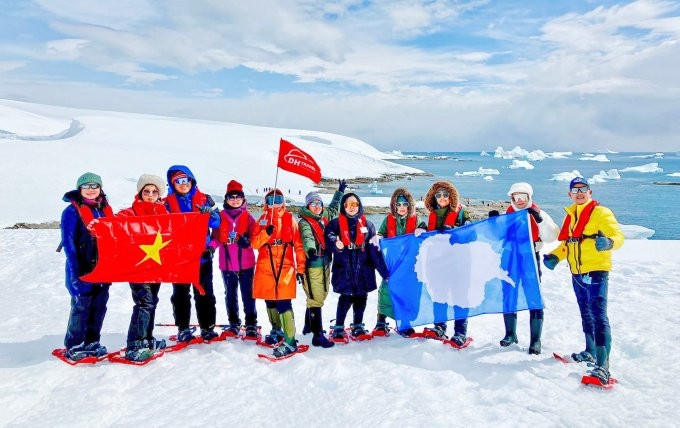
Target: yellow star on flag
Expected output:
[153,251]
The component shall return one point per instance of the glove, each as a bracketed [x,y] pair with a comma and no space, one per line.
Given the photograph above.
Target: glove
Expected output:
[215,214]
[494,213]
[311,253]
[375,240]
[78,287]
[300,278]
[419,231]
[269,229]
[203,209]
[445,227]
[243,242]
[342,185]
[602,243]
[208,253]
[550,261]
[535,214]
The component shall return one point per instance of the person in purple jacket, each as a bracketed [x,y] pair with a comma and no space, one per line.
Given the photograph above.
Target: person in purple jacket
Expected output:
[237,259]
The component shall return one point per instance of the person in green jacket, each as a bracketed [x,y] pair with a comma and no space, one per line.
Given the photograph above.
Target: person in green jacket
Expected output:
[313,220]
[401,220]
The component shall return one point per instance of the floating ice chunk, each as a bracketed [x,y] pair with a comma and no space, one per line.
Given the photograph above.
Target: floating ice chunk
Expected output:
[484,153]
[480,171]
[650,156]
[537,155]
[634,231]
[596,179]
[674,174]
[598,158]
[516,164]
[559,155]
[566,176]
[611,152]
[648,167]
[488,178]
[613,174]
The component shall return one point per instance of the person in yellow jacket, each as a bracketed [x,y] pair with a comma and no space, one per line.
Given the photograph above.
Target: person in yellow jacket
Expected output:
[589,233]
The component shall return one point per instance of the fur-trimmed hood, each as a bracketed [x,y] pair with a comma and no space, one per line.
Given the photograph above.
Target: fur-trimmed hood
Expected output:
[431,201]
[402,191]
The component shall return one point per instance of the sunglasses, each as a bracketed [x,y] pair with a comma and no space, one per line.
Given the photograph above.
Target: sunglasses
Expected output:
[440,195]
[90,186]
[274,200]
[577,190]
[150,192]
[316,204]
[351,204]
[183,180]
[234,197]
[402,204]
[520,197]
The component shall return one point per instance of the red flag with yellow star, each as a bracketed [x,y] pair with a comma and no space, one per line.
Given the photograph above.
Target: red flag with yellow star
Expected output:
[148,249]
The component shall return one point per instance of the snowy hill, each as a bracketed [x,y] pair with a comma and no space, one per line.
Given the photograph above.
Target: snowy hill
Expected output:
[387,382]
[46,148]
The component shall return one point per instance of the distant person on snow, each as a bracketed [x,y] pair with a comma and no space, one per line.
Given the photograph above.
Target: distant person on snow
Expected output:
[88,300]
[237,259]
[401,220]
[356,256]
[446,212]
[589,233]
[184,197]
[141,344]
[543,230]
[313,220]
[280,262]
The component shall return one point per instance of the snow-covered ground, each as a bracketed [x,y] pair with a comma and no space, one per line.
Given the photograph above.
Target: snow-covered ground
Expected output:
[387,382]
[45,149]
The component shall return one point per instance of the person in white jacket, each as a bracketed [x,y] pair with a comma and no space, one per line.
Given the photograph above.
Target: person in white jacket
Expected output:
[543,230]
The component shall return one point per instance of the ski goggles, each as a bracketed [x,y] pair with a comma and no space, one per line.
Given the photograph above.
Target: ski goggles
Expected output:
[148,192]
[89,186]
[351,204]
[440,195]
[402,204]
[577,190]
[316,204]
[234,196]
[520,197]
[274,199]
[183,180]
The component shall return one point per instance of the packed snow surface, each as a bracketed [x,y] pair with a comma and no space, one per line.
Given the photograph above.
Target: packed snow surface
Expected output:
[385,382]
[122,146]
[648,167]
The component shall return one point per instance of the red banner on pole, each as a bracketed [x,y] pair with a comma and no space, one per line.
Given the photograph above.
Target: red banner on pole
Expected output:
[294,160]
[148,249]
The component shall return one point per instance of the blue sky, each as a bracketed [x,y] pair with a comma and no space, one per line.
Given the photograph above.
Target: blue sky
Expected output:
[407,74]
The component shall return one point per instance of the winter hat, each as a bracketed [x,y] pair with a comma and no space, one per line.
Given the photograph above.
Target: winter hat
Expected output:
[521,188]
[155,180]
[178,174]
[311,197]
[578,180]
[234,187]
[89,177]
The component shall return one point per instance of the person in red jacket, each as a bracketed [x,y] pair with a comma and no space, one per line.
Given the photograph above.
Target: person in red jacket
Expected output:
[141,344]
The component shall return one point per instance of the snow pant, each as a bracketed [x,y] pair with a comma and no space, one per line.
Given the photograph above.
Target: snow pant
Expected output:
[281,317]
[145,297]
[232,280]
[535,315]
[316,285]
[356,301]
[87,316]
[205,304]
[385,301]
[591,294]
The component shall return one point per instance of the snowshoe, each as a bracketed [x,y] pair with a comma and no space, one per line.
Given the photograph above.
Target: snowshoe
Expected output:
[274,337]
[338,334]
[231,330]
[508,340]
[252,332]
[285,348]
[408,332]
[358,332]
[599,377]
[299,349]
[96,349]
[458,341]
[437,332]
[382,329]
[582,357]
[186,335]
[138,355]
[321,340]
[208,335]
[156,344]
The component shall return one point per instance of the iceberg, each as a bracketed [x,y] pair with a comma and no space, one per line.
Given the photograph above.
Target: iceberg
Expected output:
[674,174]
[634,231]
[601,177]
[648,167]
[566,176]
[488,178]
[598,158]
[517,164]
[537,155]
[650,156]
[480,171]
[484,153]
[559,155]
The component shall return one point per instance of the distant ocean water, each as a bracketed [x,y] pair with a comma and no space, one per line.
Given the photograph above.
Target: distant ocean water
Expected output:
[633,198]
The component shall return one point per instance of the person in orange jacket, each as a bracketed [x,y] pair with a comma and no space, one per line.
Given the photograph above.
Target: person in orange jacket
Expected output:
[280,262]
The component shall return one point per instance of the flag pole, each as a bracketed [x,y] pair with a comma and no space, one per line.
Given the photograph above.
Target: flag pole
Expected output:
[276,180]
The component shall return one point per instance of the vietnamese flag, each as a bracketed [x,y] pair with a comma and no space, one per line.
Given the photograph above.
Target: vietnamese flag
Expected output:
[148,249]
[292,159]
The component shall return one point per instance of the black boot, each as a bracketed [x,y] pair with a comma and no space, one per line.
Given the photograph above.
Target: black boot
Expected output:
[316,322]
[307,328]
[536,324]
[510,321]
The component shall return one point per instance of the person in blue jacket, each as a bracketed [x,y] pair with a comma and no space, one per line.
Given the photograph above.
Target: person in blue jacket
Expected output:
[356,256]
[88,300]
[184,196]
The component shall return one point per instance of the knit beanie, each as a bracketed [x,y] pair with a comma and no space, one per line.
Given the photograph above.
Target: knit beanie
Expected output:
[234,187]
[311,197]
[89,177]
[147,179]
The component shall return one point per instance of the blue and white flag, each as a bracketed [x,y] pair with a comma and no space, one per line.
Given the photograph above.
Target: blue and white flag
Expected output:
[485,267]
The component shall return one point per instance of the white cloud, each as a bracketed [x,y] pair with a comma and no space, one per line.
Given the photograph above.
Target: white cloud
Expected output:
[209,93]
[6,66]
[65,48]
[134,73]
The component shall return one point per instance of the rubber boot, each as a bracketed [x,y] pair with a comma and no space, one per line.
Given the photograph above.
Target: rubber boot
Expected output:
[590,344]
[274,318]
[316,322]
[602,353]
[307,328]
[288,324]
[510,321]
[536,325]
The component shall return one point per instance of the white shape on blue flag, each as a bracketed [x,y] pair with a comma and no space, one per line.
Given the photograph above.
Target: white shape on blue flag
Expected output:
[457,274]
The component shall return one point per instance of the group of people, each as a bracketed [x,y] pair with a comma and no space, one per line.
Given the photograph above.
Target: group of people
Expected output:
[333,245]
